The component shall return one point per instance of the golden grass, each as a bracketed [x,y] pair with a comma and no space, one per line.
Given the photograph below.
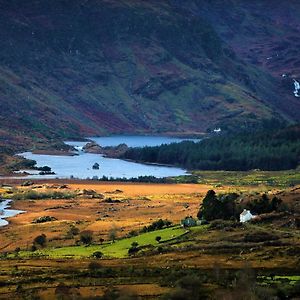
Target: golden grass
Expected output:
[141,204]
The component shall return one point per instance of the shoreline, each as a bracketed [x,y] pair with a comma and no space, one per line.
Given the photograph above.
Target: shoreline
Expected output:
[8,212]
[53,153]
[109,152]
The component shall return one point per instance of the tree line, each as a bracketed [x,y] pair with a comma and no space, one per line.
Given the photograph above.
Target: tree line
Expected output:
[266,150]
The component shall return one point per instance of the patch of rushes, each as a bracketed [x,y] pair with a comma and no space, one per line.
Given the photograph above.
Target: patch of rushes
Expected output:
[34,195]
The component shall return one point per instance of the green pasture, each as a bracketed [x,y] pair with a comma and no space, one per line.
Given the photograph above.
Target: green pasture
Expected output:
[118,249]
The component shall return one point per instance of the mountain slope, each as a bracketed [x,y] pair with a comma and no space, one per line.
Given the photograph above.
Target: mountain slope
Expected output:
[263,33]
[71,68]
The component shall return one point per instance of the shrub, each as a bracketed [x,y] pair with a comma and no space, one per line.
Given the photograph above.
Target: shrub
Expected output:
[73,231]
[132,233]
[40,240]
[34,195]
[133,250]
[44,219]
[157,225]
[113,233]
[158,239]
[97,254]
[134,244]
[86,237]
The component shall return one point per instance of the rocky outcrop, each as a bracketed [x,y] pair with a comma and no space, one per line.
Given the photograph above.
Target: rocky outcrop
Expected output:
[92,147]
[91,194]
[115,151]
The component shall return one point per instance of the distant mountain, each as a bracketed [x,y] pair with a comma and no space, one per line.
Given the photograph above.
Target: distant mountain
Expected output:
[74,67]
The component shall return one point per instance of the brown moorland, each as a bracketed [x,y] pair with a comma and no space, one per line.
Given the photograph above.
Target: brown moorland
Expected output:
[204,252]
[132,207]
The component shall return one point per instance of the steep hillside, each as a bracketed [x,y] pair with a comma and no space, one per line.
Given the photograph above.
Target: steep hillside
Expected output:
[261,32]
[71,68]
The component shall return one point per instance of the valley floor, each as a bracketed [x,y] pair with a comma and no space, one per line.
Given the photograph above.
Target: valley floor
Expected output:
[214,254]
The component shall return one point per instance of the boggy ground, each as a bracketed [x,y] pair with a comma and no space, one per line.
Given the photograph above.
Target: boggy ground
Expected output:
[137,205]
[215,253]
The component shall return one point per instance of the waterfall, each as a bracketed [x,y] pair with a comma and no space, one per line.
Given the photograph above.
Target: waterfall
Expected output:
[297,88]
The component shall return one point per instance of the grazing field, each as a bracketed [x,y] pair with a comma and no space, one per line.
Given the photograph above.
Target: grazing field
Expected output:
[117,249]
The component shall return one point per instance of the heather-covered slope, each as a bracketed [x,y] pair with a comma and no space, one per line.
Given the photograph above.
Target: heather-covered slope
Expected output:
[70,68]
[263,33]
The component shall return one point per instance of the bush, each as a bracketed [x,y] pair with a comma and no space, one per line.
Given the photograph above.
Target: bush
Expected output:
[132,233]
[73,231]
[113,233]
[133,250]
[44,219]
[158,239]
[34,195]
[97,254]
[86,237]
[40,240]
[134,244]
[157,225]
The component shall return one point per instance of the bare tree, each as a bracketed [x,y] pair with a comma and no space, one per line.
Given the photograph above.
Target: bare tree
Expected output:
[113,232]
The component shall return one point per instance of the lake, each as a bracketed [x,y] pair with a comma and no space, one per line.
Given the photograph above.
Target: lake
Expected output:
[5,212]
[80,166]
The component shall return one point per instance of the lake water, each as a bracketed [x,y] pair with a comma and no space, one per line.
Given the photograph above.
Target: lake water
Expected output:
[80,166]
[136,141]
[5,212]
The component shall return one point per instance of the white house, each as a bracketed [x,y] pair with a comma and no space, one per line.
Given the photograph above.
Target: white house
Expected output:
[217,130]
[246,216]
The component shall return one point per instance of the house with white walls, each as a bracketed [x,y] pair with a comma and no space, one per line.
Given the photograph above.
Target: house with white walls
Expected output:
[246,216]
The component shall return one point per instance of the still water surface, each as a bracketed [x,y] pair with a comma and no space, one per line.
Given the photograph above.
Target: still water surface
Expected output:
[80,166]
[5,212]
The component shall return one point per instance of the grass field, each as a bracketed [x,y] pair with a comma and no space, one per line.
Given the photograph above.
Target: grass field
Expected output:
[253,178]
[270,249]
[118,249]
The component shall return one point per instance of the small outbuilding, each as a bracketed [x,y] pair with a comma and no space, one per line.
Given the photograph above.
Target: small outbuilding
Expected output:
[188,222]
[246,216]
